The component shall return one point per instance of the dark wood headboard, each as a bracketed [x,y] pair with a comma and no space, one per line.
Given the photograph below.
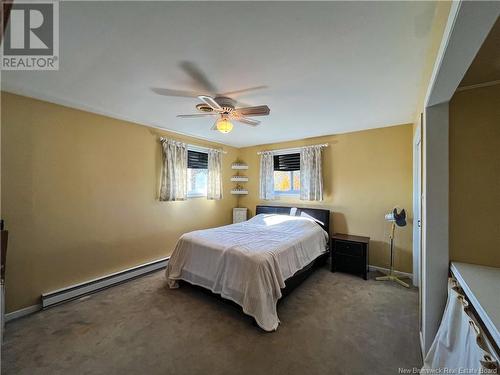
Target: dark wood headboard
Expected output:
[321,215]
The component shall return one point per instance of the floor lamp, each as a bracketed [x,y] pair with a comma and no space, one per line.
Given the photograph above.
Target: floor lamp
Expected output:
[400,221]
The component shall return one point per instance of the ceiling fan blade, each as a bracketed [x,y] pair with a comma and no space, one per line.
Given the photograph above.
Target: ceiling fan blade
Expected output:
[229,93]
[198,115]
[211,102]
[198,76]
[246,120]
[173,92]
[260,110]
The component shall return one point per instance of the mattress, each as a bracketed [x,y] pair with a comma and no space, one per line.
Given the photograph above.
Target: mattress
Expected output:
[248,262]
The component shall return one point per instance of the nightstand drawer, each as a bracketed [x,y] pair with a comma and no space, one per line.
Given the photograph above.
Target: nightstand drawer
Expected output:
[348,248]
[350,264]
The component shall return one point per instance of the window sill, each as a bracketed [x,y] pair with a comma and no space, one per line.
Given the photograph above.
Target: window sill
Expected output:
[278,196]
[190,196]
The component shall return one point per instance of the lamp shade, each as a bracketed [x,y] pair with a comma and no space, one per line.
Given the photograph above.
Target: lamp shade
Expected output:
[224,125]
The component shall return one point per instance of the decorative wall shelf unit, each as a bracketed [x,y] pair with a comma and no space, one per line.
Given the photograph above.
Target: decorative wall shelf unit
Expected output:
[239,178]
[239,189]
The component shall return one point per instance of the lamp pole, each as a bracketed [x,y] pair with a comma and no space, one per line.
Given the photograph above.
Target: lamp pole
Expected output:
[391,276]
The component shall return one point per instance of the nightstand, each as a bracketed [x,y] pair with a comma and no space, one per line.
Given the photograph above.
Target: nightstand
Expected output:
[350,254]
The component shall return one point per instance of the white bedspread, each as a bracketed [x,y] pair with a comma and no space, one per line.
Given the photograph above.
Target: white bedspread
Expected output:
[248,262]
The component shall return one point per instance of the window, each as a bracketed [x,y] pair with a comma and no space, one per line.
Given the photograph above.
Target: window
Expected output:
[287,174]
[197,174]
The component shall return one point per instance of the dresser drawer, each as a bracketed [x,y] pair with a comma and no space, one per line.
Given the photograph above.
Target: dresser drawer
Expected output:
[348,248]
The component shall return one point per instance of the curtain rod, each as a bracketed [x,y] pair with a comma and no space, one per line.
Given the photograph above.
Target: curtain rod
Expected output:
[282,150]
[198,148]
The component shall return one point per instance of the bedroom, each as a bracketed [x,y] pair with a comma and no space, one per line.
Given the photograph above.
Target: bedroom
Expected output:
[83,167]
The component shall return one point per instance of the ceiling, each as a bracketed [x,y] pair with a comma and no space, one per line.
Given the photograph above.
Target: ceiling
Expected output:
[329,67]
[486,65]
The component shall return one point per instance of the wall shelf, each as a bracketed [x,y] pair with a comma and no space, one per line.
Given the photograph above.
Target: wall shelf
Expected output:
[239,178]
[239,192]
[239,166]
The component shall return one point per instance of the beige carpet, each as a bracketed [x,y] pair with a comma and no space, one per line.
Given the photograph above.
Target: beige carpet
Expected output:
[333,323]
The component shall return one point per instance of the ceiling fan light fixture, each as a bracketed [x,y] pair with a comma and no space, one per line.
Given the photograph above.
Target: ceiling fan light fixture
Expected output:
[224,125]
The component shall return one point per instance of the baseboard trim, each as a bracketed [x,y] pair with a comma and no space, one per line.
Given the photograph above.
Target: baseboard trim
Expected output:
[22,312]
[92,286]
[78,290]
[386,270]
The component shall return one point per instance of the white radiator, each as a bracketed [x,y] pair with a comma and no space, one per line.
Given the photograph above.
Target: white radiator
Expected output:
[92,286]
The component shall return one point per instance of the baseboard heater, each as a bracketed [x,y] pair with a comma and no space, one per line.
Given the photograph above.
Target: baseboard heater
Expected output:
[79,290]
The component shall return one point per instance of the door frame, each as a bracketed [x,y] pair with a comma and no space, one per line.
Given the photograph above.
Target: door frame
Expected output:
[469,23]
[417,201]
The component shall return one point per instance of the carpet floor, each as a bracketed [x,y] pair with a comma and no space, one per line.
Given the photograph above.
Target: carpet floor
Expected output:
[333,323]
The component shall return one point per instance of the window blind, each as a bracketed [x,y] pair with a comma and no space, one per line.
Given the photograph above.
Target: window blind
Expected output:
[197,160]
[287,162]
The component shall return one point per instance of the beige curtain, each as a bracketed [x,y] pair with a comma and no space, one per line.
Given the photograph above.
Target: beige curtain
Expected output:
[459,343]
[266,190]
[214,183]
[311,173]
[173,181]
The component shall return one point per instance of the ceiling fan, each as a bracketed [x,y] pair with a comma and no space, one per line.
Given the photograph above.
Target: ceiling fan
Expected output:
[215,104]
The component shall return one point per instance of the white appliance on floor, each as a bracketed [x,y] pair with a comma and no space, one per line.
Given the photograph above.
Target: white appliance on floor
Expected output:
[239,215]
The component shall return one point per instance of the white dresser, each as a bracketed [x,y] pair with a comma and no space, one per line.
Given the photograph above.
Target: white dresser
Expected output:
[239,215]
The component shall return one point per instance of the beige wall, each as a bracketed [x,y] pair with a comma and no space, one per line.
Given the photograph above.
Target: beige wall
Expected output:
[79,194]
[440,18]
[475,176]
[79,197]
[366,174]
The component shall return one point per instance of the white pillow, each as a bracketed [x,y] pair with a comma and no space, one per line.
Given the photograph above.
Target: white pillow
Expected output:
[303,214]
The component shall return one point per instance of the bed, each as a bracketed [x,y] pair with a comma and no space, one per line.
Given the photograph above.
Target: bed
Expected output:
[256,262]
